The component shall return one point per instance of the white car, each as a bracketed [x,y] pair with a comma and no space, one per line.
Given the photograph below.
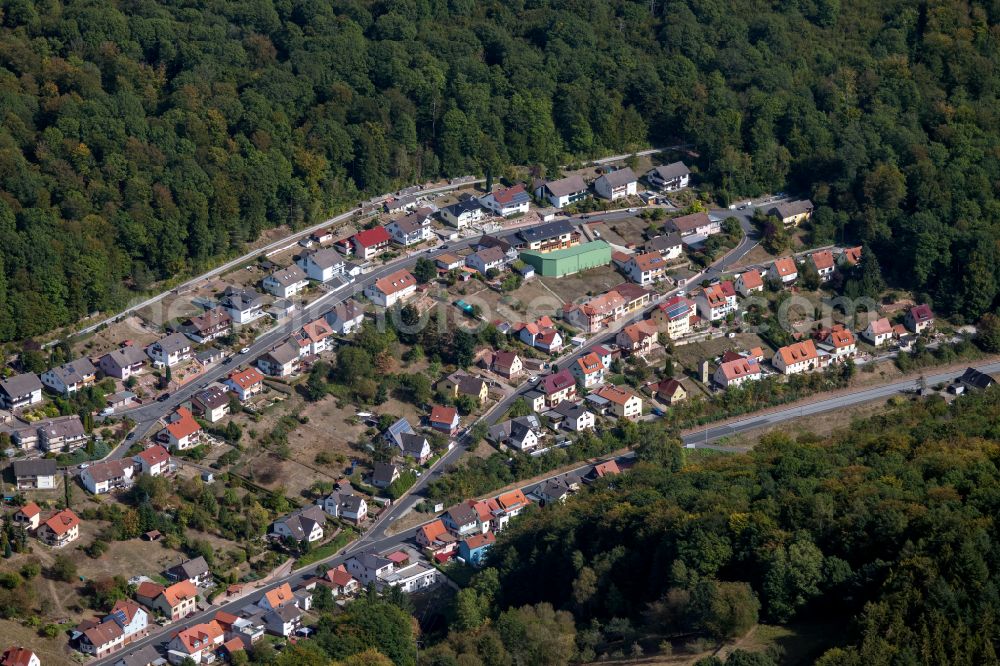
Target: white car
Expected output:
[245,350]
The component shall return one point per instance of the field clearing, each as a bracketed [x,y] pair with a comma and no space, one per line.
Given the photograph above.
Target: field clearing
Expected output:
[690,355]
[628,231]
[110,338]
[588,283]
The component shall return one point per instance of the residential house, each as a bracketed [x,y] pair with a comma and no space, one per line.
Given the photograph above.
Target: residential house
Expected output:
[563,192]
[616,184]
[245,383]
[463,520]
[850,257]
[370,243]
[495,241]
[416,446]
[670,392]
[668,246]
[197,643]
[541,334]
[211,404]
[522,433]
[465,212]
[737,371]
[646,268]
[394,434]
[596,313]
[384,475]
[783,270]
[153,461]
[409,579]
[575,417]
[195,571]
[284,621]
[119,400]
[61,529]
[793,213]
[553,491]
[130,617]
[448,261]
[182,431]
[321,265]
[823,262]
[716,301]
[878,332]
[435,538]
[281,360]
[393,288]
[549,237]
[20,391]
[444,419]
[354,508]
[462,383]
[675,313]
[28,516]
[313,338]
[368,567]
[602,470]
[170,350]
[412,228]
[843,342]
[749,282]
[507,201]
[346,317]
[305,524]
[919,318]
[123,362]
[695,226]
[588,370]
[242,305]
[70,377]
[341,582]
[212,324]
[507,365]
[38,474]
[19,656]
[62,433]
[144,656]
[797,357]
[558,386]
[669,177]
[487,259]
[973,379]
[103,477]
[287,282]
[99,639]
[473,550]
[638,338]
[624,403]
[277,597]
[332,502]
[535,399]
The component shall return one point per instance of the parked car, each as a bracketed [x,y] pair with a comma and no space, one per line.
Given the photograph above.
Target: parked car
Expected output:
[163,398]
[245,350]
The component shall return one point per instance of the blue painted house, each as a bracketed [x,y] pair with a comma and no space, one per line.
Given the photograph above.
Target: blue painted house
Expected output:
[473,550]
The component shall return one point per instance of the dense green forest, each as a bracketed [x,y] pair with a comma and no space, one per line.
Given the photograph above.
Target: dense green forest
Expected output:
[142,139]
[887,531]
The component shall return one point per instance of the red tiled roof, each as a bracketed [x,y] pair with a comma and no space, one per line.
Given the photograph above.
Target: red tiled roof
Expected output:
[246,378]
[431,531]
[280,595]
[179,592]
[16,656]
[154,455]
[395,282]
[340,576]
[63,522]
[741,367]
[372,237]
[184,426]
[823,260]
[798,352]
[785,266]
[881,326]
[504,196]
[752,279]
[441,414]
[480,540]
[605,468]
[200,636]
[512,499]
[30,510]
[616,394]
[149,590]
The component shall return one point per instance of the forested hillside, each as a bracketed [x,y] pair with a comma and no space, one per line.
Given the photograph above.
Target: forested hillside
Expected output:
[141,139]
[887,532]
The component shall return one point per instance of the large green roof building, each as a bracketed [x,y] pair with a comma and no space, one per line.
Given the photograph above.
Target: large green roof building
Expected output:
[569,261]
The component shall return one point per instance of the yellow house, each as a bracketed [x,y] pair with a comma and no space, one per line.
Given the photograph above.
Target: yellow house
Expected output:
[460,383]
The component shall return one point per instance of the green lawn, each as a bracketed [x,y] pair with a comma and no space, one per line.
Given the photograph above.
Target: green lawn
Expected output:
[327,549]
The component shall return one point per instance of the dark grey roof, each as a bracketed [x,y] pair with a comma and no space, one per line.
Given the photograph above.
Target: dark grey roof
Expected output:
[792,208]
[345,311]
[174,342]
[127,356]
[144,656]
[620,177]
[976,378]
[300,521]
[566,186]
[412,444]
[21,384]
[213,397]
[190,569]
[289,276]
[673,170]
[40,467]
[494,241]
[74,371]
[286,613]
[662,243]
[545,231]
[352,503]
[283,353]
[570,410]
[463,514]
[241,299]
[463,206]
[397,430]
[383,473]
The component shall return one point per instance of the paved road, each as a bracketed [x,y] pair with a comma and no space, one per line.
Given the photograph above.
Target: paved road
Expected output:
[379,540]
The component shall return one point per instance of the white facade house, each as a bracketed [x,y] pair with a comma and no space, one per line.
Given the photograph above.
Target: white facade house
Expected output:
[563,192]
[392,289]
[20,391]
[243,305]
[346,317]
[507,201]
[103,477]
[463,213]
[170,350]
[285,283]
[412,228]
[616,185]
[70,377]
[486,259]
[669,177]
[647,268]
[878,332]
[797,358]
[322,265]
[716,301]
[737,372]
